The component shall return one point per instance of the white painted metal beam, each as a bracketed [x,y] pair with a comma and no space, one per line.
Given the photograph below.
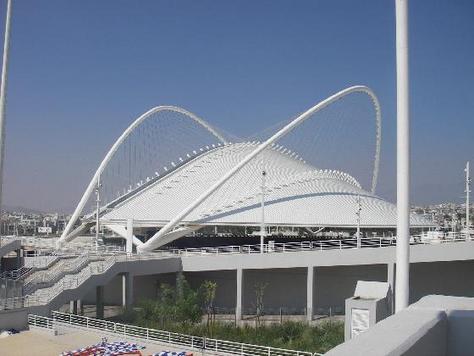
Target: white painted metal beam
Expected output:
[155,242]
[114,148]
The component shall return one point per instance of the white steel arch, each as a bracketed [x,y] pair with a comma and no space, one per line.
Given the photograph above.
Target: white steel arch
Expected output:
[114,148]
[160,239]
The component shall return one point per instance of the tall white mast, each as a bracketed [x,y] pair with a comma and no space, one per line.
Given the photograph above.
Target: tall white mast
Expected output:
[3,96]
[468,191]
[262,222]
[359,209]
[97,220]
[403,159]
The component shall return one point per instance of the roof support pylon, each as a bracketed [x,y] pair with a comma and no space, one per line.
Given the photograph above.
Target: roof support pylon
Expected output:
[93,183]
[155,241]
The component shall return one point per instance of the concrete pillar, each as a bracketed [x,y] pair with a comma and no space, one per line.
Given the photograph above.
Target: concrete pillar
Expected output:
[240,295]
[391,281]
[73,307]
[99,302]
[129,240]
[309,293]
[80,308]
[127,290]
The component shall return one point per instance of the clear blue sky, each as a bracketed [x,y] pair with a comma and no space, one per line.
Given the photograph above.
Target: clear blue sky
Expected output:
[81,71]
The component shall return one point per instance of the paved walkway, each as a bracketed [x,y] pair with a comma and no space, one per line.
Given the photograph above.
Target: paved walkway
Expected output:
[38,342]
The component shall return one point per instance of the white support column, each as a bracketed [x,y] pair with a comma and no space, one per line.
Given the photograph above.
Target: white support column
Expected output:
[129,240]
[3,95]
[73,307]
[309,293]
[240,295]
[403,158]
[127,290]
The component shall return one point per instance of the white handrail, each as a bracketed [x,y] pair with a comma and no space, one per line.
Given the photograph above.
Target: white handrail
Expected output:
[161,336]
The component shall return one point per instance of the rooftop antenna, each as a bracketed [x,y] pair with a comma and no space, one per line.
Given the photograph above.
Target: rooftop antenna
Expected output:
[468,191]
[3,94]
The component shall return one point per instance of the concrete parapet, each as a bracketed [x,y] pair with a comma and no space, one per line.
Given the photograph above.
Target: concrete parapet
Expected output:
[435,326]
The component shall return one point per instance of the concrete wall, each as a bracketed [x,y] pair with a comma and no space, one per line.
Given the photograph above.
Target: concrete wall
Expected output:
[448,278]
[226,286]
[333,285]
[144,287]
[285,288]
[14,319]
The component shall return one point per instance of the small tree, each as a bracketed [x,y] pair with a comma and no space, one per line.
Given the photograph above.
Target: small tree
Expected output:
[208,290]
[259,304]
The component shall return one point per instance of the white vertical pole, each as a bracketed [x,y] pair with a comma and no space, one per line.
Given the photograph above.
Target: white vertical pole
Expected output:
[262,223]
[359,208]
[97,222]
[468,191]
[129,241]
[124,290]
[3,96]
[403,159]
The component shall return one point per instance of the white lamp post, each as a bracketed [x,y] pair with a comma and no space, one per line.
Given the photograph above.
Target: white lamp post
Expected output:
[403,159]
[468,191]
[262,223]
[359,209]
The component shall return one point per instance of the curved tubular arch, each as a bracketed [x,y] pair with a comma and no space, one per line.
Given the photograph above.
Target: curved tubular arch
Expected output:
[114,148]
[155,242]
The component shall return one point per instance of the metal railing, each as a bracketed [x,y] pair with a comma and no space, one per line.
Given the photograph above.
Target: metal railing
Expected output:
[162,336]
[18,302]
[16,273]
[51,277]
[318,245]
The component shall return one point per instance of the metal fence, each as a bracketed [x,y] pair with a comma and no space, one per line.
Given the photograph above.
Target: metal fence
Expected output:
[317,245]
[161,336]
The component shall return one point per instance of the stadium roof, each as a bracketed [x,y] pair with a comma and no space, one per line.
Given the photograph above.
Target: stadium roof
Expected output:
[222,184]
[296,194]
